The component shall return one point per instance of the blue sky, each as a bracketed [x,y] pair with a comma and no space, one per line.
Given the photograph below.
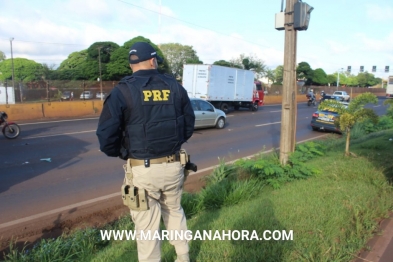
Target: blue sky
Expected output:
[340,33]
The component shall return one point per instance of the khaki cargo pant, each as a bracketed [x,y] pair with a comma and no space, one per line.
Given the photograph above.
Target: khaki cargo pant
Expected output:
[164,185]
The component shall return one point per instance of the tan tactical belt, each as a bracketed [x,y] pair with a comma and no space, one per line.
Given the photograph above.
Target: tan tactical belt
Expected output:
[165,159]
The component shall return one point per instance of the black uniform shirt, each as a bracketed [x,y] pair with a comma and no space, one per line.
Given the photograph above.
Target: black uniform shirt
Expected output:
[111,123]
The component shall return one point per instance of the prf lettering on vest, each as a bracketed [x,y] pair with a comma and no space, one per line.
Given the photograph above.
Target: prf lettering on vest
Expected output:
[156,95]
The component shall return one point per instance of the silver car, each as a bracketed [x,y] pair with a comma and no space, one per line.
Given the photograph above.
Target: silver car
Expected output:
[87,95]
[99,95]
[206,115]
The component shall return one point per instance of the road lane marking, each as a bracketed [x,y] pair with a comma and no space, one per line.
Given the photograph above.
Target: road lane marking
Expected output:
[63,134]
[94,200]
[275,111]
[269,124]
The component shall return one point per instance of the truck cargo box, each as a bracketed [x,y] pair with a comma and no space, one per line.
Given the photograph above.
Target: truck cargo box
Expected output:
[218,83]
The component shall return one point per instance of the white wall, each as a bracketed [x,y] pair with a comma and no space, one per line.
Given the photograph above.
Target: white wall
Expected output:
[11,95]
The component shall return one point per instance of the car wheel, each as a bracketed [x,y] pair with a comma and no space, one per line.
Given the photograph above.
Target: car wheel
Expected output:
[254,107]
[224,107]
[220,123]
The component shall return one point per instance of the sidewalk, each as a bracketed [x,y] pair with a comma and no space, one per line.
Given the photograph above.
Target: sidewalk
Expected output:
[381,244]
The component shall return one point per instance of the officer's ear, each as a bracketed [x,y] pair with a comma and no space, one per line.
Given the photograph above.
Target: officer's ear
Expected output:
[153,63]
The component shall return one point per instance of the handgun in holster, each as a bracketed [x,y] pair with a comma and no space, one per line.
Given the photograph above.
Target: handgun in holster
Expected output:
[185,161]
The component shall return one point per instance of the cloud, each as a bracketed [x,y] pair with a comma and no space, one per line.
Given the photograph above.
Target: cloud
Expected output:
[379,13]
[383,44]
[338,47]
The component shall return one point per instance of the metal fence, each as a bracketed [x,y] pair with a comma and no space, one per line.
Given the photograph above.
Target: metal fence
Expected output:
[276,90]
[52,90]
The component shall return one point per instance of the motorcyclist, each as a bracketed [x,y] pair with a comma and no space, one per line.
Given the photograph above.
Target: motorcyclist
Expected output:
[311,95]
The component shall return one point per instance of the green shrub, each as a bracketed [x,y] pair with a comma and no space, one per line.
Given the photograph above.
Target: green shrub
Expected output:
[189,202]
[385,122]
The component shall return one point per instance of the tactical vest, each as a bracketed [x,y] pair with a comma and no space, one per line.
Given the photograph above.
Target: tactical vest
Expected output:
[154,120]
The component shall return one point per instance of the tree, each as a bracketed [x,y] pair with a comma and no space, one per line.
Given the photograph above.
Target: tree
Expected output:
[331,79]
[279,74]
[270,75]
[352,81]
[250,62]
[2,56]
[71,68]
[319,77]
[24,70]
[177,55]
[304,72]
[119,66]
[105,48]
[351,114]
[162,68]
[48,71]
[389,111]
[226,63]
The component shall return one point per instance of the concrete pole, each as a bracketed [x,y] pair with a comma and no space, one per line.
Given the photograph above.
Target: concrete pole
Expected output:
[99,62]
[289,104]
[12,64]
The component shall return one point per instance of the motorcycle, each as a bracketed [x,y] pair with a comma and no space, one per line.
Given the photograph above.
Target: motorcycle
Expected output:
[10,129]
[311,101]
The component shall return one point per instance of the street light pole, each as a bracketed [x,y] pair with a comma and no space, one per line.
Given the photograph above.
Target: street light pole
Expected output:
[12,63]
[338,77]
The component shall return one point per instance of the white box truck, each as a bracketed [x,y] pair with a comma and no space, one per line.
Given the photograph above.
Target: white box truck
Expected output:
[224,87]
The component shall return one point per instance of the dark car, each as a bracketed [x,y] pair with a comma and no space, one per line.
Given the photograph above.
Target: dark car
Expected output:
[326,97]
[324,119]
[66,95]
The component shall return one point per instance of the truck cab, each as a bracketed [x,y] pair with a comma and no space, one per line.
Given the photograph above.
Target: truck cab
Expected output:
[258,95]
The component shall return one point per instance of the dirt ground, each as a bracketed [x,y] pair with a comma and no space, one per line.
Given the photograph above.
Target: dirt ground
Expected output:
[95,215]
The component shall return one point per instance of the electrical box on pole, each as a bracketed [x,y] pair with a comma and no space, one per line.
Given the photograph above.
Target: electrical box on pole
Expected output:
[349,69]
[374,69]
[386,69]
[301,17]
[361,69]
[280,21]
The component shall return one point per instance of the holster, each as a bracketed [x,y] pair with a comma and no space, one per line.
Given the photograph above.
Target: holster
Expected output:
[133,197]
[186,163]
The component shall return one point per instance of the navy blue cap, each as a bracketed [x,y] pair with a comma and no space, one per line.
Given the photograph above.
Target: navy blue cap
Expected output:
[144,51]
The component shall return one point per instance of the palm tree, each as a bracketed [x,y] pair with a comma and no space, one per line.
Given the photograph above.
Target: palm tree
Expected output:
[352,113]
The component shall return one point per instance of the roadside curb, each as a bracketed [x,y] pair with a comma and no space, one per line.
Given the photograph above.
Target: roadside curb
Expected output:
[381,244]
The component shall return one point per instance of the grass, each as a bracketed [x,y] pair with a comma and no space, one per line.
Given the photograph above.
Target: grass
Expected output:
[332,213]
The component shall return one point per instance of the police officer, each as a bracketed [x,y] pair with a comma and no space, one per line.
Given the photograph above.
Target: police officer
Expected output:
[145,120]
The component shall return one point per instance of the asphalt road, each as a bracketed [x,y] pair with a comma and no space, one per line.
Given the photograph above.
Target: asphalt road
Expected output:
[55,164]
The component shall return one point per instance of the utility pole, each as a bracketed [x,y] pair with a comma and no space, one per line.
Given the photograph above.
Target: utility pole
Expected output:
[99,62]
[289,102]
[12,64]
